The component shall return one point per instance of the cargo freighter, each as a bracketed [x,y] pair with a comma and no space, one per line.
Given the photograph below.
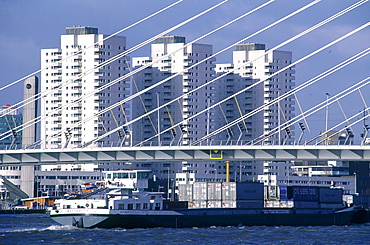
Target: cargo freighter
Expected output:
[121,200]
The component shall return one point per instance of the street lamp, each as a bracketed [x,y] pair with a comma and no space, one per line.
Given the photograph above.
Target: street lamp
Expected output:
[302,128]
[168,183]
[278,111]
[349,134]
[326,117]
[158,123]
[208,116]
[364,135]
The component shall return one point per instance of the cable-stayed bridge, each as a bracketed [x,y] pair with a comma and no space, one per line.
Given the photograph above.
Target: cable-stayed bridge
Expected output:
[197,148]
[187,153]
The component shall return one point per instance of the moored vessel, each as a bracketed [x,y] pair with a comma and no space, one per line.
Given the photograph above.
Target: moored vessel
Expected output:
[122,200]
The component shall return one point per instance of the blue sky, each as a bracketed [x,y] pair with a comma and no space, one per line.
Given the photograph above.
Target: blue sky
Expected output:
[28,26]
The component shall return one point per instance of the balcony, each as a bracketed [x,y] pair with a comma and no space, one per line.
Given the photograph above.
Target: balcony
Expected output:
[99,53]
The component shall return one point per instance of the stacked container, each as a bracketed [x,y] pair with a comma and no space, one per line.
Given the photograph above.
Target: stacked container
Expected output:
[304,196]
[222,195]
[271,193]
[249,195]
[228,194]
[185,192]
[199,195]
[331,198]
[214,195]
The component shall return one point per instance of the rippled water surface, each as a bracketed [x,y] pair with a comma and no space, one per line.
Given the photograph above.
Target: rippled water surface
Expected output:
[40,229]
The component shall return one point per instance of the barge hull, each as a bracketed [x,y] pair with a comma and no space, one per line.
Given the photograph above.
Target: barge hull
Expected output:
[186,219]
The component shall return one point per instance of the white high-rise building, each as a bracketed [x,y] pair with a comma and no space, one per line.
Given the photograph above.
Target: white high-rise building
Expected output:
[196,128]
[73,77]
[254,64]
[185,107]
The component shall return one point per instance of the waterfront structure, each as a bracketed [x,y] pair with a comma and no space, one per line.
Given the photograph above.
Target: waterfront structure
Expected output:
[56,180]
[30,89]
[52,180]
[361,169]
[309,173]
[68,72]
[323,168]
[9,122]
[348,183]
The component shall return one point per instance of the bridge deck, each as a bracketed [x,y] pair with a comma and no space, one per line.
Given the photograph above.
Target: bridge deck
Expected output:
[186,153]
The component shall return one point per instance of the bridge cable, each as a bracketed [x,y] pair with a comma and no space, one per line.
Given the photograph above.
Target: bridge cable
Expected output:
[115,58]
[114,34]
[300,109]
[308,83]
[338,131]
[312,110]
[209,57]
[270,50]
[344,114]
[281,70]
[188,44]
[124,53]
[240,113]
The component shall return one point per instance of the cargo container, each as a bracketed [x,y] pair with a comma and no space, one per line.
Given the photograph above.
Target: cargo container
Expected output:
[214,204]
[330,195]
[303,193]
[175,204]
[185,192]
[283,193]
[362,200]
[249,191]
[331,205]
[272,204]
[228,191]
[272,192]
[249,203]
[348,199]
[199,204]
[305,204]
[279,204]
[200,191]
[286,204]
[228,204]
[214,191]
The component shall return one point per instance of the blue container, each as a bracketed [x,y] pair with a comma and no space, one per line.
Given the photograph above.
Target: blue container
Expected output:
[328,195]
[284,193]
[303,193]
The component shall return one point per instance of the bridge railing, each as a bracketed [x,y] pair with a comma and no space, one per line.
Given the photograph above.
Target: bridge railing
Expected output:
[172,143]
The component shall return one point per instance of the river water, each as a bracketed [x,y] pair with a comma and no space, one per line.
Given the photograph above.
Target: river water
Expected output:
[29,229]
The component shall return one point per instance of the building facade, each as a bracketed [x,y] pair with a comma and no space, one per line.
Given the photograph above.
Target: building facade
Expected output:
[8,123]
[67,74]
[179,58]
[253,66]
